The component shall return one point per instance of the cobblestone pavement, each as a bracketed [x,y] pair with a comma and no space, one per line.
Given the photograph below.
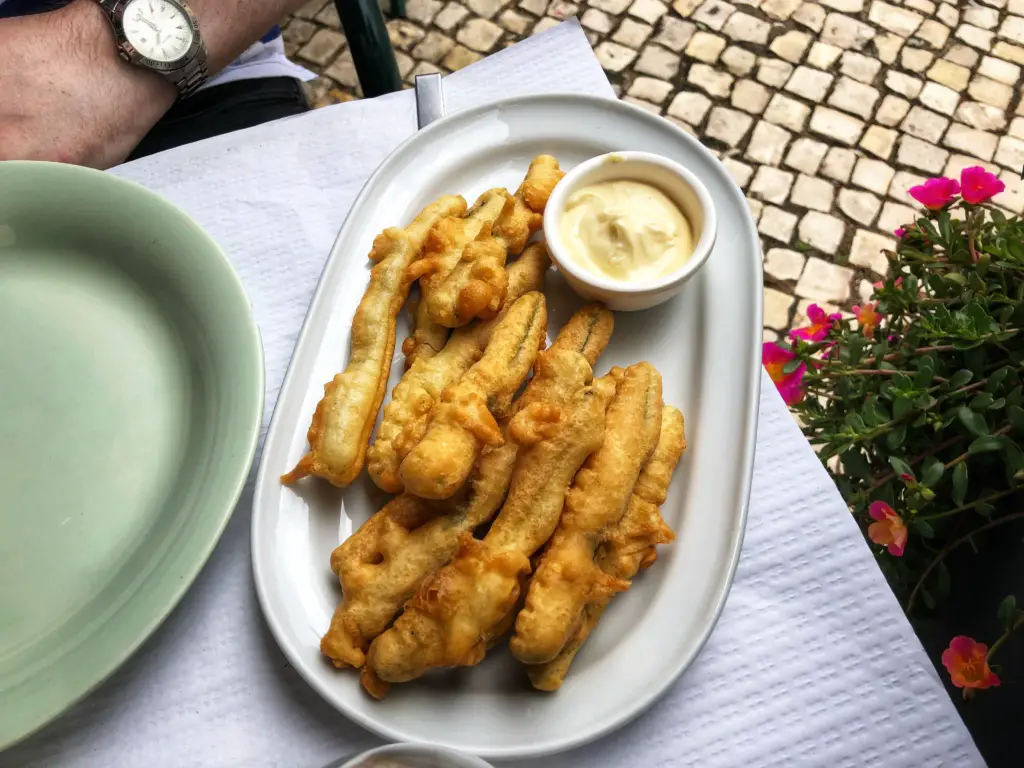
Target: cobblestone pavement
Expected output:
[824,112]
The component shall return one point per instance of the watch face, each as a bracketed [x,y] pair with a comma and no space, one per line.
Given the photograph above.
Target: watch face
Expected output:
[159,30]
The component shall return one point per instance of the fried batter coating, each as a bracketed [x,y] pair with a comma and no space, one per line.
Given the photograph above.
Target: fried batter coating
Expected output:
[477,285]
[344,417]
[407,416]
[450,241]
[567,578]
[630,546]
[381,565]
[466,418]
[426,338]
[456,613]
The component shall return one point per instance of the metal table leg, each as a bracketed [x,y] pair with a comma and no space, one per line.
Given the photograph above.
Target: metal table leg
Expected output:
[372,54]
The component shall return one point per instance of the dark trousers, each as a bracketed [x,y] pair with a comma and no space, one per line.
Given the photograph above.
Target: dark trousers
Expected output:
[222,109]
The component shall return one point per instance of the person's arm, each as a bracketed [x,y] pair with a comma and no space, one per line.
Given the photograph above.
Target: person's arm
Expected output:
[65,95]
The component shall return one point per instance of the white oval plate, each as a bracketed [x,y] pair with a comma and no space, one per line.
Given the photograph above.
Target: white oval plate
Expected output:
[705,342]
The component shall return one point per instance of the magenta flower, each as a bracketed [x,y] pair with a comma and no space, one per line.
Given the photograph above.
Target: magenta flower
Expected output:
[935,193]
[820,324]
[774,357]
[979,185]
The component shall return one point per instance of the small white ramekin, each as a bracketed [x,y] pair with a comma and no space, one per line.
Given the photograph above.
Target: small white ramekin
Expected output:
[416,755]
[681,186]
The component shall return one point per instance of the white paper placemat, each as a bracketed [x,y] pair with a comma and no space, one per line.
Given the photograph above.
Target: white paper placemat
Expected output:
[811,664]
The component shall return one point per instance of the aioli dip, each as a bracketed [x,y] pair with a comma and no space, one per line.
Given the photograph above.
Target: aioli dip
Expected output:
[625,230]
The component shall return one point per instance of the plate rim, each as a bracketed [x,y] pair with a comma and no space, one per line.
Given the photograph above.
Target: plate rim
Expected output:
[745,465]
[158,611]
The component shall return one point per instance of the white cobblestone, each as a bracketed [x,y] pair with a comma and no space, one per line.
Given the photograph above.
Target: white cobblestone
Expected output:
[776,223]
[972,141]
[879,141]
[902,182]
[738,60]
[846,32]
[674,34]
[862,68]
[713,14]
[632,33]
[714,82]
[767,144]
[838,164]
[771,184]
[1000,70]
[806,155]
[920,155]
[810,15]
[728,125]
[741,172]
[812,192]
[867,251]
[823,55]
[873,175]
[690,106]
[783,263]
[862,207]
[750,96]
[895,215]
[949,74]
[773,72]
[821,280]
[856,98]
[835,125]
[791,45]
[809,83]
[940,98]
[905,85]
[777,307]
[924,124]
[899,21]
[658,62]
[1010,153]
[892,110]
[787,112]
[990,92]
[746,28]
[650,89]
[706,47]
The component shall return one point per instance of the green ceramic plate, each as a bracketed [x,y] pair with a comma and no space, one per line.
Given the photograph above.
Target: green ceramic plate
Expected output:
[131,394]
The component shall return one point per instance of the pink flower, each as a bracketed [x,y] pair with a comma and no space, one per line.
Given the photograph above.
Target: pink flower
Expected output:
[774,357]
[890,530]
[899,232]
[820,324]
[935,193]
[967,664]
[979,185]
[868,318]
[881,284]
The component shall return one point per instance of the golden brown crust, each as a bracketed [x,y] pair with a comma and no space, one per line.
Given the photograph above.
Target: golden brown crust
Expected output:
[458,611]
[567,578]
[344,417]
[452,241]
[466,418]
[413,399]
[630,546]
[426,338]
[384,561]
[476,286]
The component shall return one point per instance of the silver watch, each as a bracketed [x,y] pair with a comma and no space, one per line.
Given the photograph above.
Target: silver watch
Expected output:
[161,35]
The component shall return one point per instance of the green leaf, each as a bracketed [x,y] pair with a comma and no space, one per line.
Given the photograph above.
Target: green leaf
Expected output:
[931,471]
[960,378]
[791,366]
[855,464]
[901,407]
[981,402]
[985,444]
[895,438]
[997,404]
[997,378]
[1016,396]
[960,483]
[924,528]
[974,422]
[944,228]
[900,466]
[985,510]
[929,601]
[1014,455]
[924,376]
[1007,609]
[1016,416]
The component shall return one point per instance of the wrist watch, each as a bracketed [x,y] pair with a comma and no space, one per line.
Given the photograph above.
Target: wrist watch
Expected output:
[161,35]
